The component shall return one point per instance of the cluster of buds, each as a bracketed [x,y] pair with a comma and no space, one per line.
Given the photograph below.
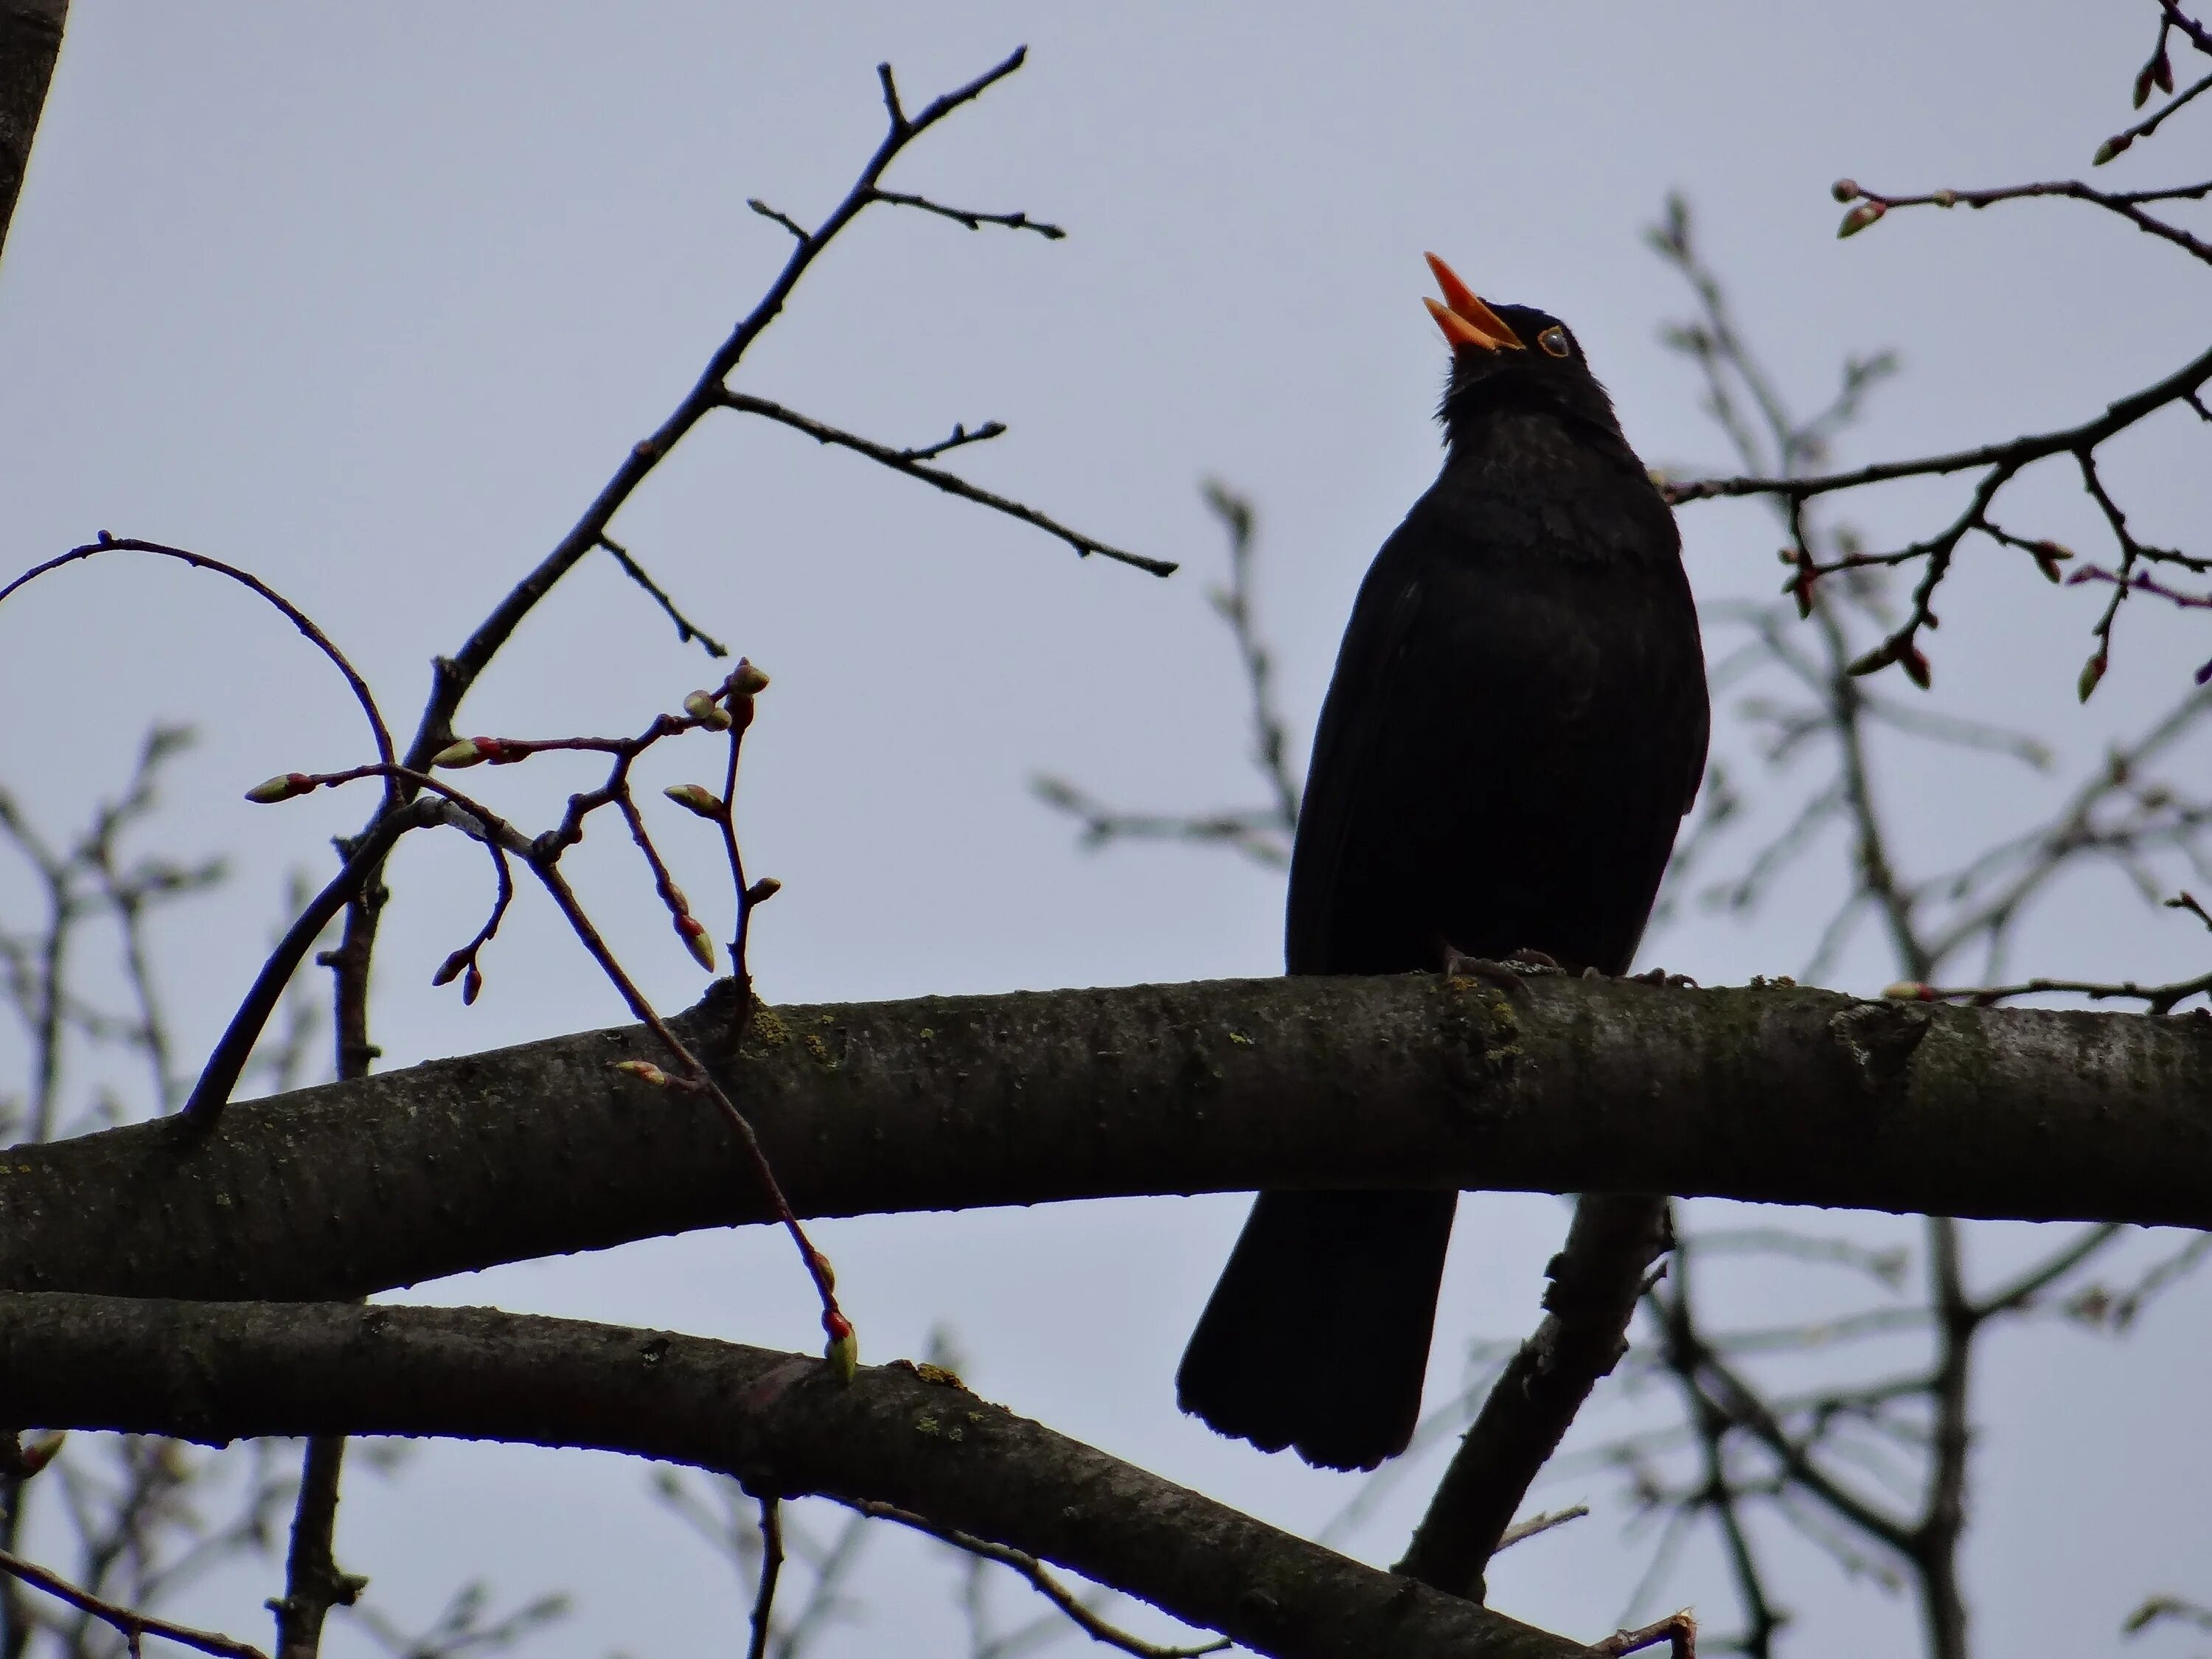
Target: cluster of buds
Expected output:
[463,960]
[2049,555]
[731,703]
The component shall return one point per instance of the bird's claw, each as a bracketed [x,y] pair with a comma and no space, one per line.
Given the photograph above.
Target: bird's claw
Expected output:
[1660,976]
[1510,975]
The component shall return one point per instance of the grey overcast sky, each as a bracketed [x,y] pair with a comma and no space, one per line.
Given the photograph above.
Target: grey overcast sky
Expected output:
[371,300]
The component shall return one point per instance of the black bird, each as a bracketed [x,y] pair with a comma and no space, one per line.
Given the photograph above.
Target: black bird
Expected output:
[1517,725]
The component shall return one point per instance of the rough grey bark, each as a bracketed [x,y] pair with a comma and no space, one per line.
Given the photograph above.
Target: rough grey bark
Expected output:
[30,41]
[779,1422]
[1785,1094]
[1595,1279]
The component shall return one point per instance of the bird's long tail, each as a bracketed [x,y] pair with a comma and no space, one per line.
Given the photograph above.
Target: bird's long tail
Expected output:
[1318,1334]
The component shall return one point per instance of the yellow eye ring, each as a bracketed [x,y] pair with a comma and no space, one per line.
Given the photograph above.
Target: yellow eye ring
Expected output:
[1555,342]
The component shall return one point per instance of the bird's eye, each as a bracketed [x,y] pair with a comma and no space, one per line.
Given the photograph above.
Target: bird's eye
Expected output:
[1555,342]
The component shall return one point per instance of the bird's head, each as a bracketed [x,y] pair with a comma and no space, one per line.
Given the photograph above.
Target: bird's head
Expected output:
[1510,356]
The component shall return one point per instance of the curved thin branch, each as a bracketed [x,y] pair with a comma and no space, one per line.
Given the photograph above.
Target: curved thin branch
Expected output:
[292,613]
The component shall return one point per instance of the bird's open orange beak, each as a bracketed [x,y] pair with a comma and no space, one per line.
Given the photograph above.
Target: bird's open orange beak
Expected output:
[1464,318]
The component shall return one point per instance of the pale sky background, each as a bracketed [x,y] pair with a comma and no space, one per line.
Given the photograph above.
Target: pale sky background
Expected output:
[371,301]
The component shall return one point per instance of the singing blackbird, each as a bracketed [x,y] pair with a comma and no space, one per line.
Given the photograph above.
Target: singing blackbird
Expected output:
[1517,725]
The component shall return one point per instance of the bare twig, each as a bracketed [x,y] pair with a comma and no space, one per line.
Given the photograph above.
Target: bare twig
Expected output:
[1040,1579]
[686,629]
[901,460]
[771,1569]
[972,220]
[133,1626]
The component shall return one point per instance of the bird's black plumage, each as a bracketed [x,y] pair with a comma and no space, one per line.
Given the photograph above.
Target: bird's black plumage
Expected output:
[1517,725]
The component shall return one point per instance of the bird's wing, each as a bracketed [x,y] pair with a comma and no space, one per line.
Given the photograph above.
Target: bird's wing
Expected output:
[1348,738]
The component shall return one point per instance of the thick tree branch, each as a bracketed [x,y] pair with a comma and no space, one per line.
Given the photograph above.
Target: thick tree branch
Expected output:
[1782,1094]
[779,1422]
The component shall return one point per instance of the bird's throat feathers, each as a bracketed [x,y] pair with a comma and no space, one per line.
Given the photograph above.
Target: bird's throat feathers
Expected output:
[1480,412]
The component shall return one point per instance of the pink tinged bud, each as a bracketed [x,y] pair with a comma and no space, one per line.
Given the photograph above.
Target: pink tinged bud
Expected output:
[1859,218]
[677,901]
[843,1352]
[1844,189]
[644,1070]
[2092,671]
[695,797]
[695,938]
[1916,666]
[745,680]
[468,752]
[471,986]
[2048,556]
[701,706]
[283,787]
[449,969]
[2161,70]
[2144,81]
[766,888]
[2115,145]
[1909,990]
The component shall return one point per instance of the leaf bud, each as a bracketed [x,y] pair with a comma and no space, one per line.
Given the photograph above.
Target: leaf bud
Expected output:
[694,934]
[2092,671]
[468,752]
[695,798]
[2115,145]
[1874,661]
[449,969]
[644,1070]
[843,1352]
[2048,556]
[1915,662]
[283,787]
[1909,990]
[1859,218]
[701,706]
[745,680]
[1844,189]
[766,888]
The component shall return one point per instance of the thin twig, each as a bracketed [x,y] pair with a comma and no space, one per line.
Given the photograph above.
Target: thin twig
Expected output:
[1039,1579]
[952,484]
[771,1569]
[131,1626]
[972,220]
[686,629]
